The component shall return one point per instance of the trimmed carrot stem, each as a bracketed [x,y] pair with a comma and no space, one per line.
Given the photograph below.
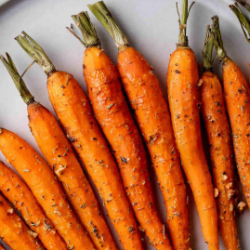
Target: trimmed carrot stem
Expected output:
[244,22]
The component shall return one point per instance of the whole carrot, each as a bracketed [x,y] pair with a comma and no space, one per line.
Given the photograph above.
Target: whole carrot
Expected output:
[113,114]
[74,111]
[237,98]
[13,230]
[221,151]
[184,102]
[46,188]
[60,156]
[151,112]
[16,191]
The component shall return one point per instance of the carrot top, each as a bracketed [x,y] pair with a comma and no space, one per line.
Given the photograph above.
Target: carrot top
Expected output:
[218,43]
[87,29]
[244,22]
[207,52]
[102,13]
[35,51]
[21,86]
[183,39]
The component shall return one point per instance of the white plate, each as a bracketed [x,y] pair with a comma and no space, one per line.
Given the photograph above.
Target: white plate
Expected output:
[151,27]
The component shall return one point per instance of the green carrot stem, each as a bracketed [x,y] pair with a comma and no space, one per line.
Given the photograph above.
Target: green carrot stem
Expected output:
[245,24]
[35,51]
[105,17]
[183,39]
[87,29]
[218,43]
[245,3]
[207,52]
[17,79]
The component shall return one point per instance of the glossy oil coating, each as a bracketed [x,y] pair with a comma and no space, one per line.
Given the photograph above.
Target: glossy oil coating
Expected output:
[237,97]
[13,230]
[16,191]
[117,123]
[59,153]
[73,109]
[46,188]
[184,101]
[222,158]
[152,114]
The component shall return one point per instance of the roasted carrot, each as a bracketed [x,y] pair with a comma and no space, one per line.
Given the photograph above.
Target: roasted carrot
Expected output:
[13,230]
[60,156]
[244,22]
[184,102]
[16,191]
[46,188]
[74,111]
[237,98]
[113,114]
[151,112]
[221,148]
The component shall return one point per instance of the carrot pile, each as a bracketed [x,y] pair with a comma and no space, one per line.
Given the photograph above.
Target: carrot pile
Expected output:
[113,114]
[60,156]
[74,111]
[17,192]
[111,130]
[151,112]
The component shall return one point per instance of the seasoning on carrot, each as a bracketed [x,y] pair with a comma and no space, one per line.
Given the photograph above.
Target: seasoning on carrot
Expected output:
[13,230]
[60,156]
[244,23]
[237,98]
[151,112]
[16,191]
[221,149]
[46,188]
[184,101]
[112,112]
[74,111]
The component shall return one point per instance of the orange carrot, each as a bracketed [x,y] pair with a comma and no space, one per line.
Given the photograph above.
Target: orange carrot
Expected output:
[184,102]
[219,136]
[46,188]
[113,114]
[16,191]
[60,156]
[151,112]
[237,98]
[13,230]
[74,111]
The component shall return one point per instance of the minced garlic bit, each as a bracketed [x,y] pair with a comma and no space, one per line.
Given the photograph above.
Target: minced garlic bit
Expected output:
[216,192]
[241,205]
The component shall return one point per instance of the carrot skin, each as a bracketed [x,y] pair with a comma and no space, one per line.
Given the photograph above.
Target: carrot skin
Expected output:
[46,188]
[117,123]
[60,156]
[151,112]
[222,158]
[182,80]
[13,230]
[16,191]
[74,111]
[237,98]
